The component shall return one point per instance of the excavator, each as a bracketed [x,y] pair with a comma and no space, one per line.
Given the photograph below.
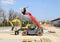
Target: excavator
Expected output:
[33,29]
[21,24]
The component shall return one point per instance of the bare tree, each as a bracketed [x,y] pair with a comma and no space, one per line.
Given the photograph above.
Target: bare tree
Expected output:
[11,12]
[2,17]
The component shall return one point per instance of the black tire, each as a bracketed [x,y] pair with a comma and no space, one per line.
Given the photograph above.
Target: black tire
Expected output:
[16,32]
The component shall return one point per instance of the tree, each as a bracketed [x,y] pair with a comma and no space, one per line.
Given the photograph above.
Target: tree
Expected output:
[3,19]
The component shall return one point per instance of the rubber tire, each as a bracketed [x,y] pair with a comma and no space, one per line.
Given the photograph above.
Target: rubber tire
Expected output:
[24,33]
[40,32]
[16,32]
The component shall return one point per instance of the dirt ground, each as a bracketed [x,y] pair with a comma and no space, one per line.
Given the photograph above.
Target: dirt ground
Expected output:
[6,35]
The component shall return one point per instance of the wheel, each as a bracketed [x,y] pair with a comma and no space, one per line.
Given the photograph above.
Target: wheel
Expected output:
[39,33]
[16,32]
[24,33]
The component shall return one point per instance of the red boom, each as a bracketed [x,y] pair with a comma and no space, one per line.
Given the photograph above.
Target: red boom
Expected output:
[33,19]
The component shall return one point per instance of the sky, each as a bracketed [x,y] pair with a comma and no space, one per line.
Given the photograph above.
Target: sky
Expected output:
[40,9]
